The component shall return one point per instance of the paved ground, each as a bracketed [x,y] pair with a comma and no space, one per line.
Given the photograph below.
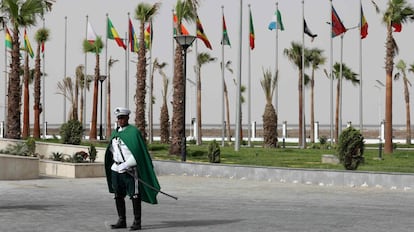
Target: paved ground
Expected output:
[206,204]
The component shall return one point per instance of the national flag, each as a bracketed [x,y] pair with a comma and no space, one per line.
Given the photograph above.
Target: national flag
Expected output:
[42,47]
[8,39]
[184,30]
[397,27]
[90,34]
[133,41]
[276,22]
[364,25]
[148,35]
[251,34]
[27,45]
[113,34]
[337,26]
[225,34]
[307,31]
[201,35]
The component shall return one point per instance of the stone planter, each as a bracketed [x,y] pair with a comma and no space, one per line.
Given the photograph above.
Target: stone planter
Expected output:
[14,167]
[71,170]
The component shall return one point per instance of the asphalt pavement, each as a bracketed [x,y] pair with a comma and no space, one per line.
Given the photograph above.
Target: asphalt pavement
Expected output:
[205,204]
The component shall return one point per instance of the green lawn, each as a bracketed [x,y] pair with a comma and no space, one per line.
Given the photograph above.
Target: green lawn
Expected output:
[400,161]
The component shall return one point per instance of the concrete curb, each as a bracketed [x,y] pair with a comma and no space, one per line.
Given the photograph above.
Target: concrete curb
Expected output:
[285,175]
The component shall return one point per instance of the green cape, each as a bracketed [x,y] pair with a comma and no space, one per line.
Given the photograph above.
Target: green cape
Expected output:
[133,140]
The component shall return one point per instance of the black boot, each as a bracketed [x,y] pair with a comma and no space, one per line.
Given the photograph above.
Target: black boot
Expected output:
[136,205]
[120,208]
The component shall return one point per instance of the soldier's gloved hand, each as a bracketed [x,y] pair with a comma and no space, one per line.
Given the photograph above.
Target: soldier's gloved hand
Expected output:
[123,166]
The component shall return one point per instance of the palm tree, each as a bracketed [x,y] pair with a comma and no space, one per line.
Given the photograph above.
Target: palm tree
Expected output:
[111,62]
[226,97]
[96,48]
[67,89]
[316,59]
[269,116]
[164,117]
[26,98]
[144,13]
[348,75]
[397,12]
[83,82]
[294,54]
[185,10]
[202,59]
[19,14]
[42,35]
[401,66]
[156,66]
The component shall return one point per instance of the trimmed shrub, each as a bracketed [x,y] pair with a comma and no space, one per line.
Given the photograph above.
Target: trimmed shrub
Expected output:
[351,148]
[71,132]
[213,152]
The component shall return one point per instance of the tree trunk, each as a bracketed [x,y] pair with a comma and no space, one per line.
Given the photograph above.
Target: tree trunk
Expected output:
[141,93]
[312,109]
[178,96]
[36,106]
[199,133]
[300,89]
[94,120]
[26,98]
[226,96]
[389,65]
[407,112]
[14,91]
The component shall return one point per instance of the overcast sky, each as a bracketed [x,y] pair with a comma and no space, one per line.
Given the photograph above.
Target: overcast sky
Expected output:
[317,13]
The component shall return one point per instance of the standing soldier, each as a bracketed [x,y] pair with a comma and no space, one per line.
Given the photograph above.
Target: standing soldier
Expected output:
[129,170]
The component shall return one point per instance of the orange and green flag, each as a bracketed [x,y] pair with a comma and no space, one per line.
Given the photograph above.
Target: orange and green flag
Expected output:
[113,34]
[27,45]
[8,40]
[251,34]
[184,30]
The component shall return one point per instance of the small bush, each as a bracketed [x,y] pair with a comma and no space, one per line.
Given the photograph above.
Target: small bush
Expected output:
[351,148]
[71,132]
[57,156]
[92,153]
[80,157]
[213,152]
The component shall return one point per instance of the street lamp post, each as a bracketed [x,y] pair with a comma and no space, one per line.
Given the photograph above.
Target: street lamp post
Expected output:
[101,80]
[184,41]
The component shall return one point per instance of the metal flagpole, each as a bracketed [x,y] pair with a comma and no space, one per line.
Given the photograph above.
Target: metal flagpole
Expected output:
[340,86]
[331,81]
[360,71]
[106,74]
[5,91]
[277,64]
[43,87]
[64,68]
[151,85]
[127,70]
[239,73]
[249,94]
[302,129]
[222,81]
[85,81]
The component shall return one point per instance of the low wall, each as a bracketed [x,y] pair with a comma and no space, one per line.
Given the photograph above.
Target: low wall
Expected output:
[289,175]
[13,167]
[71,170]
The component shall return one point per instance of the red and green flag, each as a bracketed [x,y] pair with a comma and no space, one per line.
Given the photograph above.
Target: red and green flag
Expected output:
[148,35]
[364,25]
[251,34]
[201,35]
[113,34]
[337,26]
[27,45]
[226,40]
[133,41]
[8,39]
[397,27]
